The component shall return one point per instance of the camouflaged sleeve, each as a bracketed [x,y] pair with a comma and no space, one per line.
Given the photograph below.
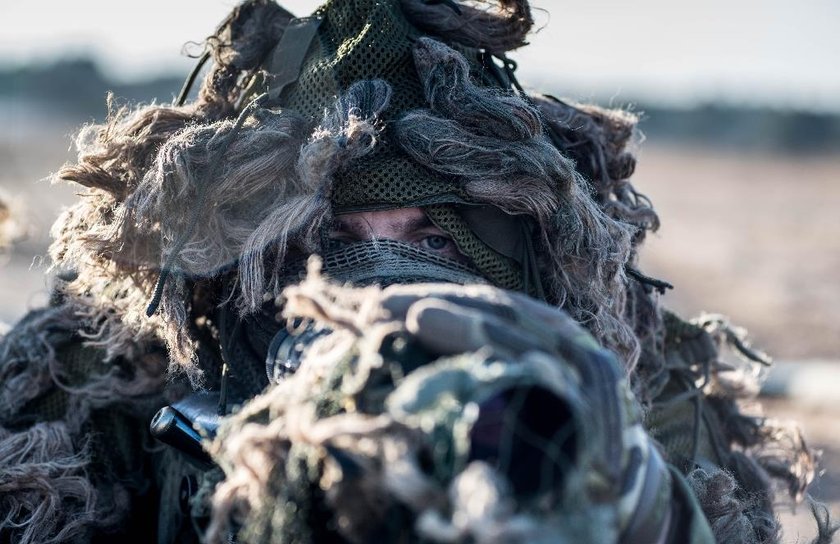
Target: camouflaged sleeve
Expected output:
[732,459]
[73,440]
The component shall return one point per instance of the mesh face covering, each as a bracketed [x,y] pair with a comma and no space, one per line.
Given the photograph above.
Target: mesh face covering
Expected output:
[372,39]
[381,262]
[387,262]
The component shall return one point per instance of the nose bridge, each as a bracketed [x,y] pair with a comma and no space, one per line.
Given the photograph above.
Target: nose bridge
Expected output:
[380,226]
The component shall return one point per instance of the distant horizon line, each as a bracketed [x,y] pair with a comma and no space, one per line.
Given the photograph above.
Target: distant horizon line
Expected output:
[596,89]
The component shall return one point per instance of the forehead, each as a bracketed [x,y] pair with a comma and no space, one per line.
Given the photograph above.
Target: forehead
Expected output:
[393,220]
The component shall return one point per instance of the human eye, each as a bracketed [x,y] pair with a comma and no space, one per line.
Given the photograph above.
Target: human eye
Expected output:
[339,238]
[436,242]
[335,243]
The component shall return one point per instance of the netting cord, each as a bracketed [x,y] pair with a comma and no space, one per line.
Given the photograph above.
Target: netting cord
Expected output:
[647,281]
[185,89]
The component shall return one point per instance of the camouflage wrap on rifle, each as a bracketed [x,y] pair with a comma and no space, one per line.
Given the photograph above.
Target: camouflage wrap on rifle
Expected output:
[442,414]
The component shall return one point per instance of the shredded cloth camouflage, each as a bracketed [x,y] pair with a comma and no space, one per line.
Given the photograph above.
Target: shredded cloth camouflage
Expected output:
[10,228]
[59,481]
[437,414]
[196,209]
[266,184]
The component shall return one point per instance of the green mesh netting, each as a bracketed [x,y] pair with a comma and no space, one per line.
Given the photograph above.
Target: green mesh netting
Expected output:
[368,39]
[371,39]
[500,270]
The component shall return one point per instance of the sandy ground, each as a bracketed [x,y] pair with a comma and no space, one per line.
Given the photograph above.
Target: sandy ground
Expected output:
[755,237]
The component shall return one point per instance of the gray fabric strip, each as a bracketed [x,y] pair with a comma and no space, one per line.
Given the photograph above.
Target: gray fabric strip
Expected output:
[290,52]
[387,262]
[499,230]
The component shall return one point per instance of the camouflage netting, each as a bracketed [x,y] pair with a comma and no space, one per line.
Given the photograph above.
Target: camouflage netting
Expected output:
[387,434]
[196,206]
[58,480]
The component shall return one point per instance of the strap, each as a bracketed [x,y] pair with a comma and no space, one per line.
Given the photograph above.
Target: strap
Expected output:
[650,521]
[289,53]
[187,86]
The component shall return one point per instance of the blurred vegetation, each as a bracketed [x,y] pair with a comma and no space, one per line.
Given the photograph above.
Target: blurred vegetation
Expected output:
[743,128]
[76,89]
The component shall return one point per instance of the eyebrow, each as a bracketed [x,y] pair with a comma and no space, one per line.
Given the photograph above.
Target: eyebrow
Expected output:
[357,225]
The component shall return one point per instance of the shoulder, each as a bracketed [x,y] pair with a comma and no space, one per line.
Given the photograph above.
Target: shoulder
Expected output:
[73,427]
[727,454]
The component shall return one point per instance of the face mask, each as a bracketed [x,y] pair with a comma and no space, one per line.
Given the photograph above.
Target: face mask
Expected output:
[387,262]
[374,262]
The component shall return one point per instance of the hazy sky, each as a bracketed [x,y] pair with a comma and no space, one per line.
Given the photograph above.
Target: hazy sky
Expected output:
[778,52]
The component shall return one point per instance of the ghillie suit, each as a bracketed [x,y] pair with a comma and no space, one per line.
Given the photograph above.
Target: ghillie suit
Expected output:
[10,228]
[391,431]
[197,215]
[5,220]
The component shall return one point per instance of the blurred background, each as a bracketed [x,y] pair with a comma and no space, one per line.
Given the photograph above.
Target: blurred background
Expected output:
[740,106]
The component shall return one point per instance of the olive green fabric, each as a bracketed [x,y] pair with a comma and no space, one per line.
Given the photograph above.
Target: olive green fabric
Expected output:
[371,39]
[683,427]
[359,40]
[502,271]
[680,417]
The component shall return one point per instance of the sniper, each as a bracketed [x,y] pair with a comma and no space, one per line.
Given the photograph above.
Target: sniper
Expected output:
[359,285]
